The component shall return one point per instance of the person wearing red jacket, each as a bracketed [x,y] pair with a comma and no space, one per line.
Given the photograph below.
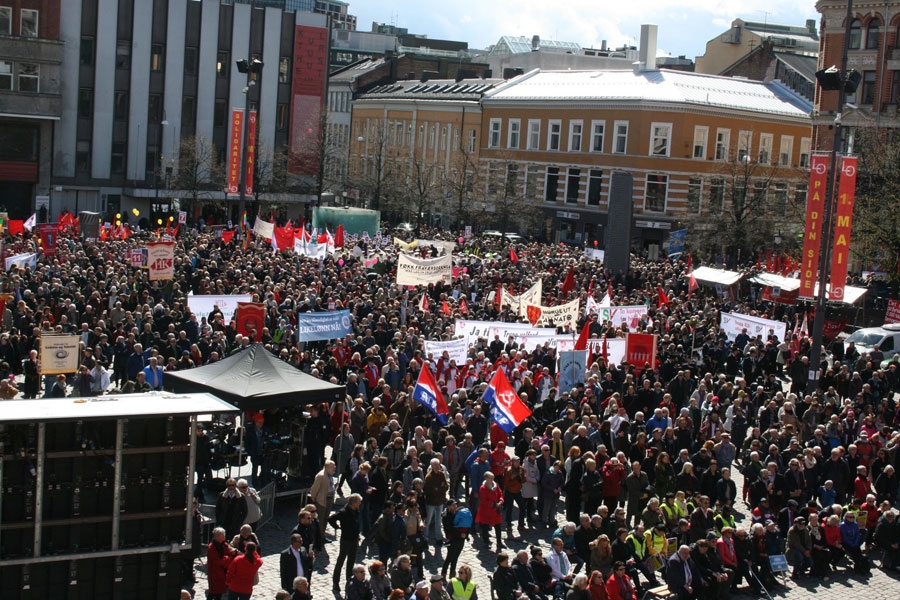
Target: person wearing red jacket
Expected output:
[218,558]
[613,476]
[861,485]
[242,573]
[619,585]
[490,501]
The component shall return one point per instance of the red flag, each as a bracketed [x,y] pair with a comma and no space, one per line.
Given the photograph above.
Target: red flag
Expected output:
[429,395]
[445,308]
[284,237]
[498,299]
[339,237]
[513,256]
[424,305]
[15,226]
[605,350]
[463,306]
[227,235]
[322,239]
[662,299]
[581,342]
[690,261]
[609,290]
[692,285]
[177,228]
[569,283]
[250,318]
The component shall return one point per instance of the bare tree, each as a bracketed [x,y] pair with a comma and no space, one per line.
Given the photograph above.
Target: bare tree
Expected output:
[422,188]
[198,171]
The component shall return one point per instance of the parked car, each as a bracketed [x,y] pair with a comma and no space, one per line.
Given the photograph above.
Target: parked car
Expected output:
[886,337]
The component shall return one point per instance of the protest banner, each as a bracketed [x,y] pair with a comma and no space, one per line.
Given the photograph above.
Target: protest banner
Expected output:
[263,228]
[571,369]
[448,245]
[250,318]
[202,306]
[161,260]
[422,271]
[630,316]
[733,323]
[472,330]
[893,312]
[48,233]
[313,326]
[519,303]
[640,349]
[457,350]
[60,354]
[22,261]
[554,316]
[615,348]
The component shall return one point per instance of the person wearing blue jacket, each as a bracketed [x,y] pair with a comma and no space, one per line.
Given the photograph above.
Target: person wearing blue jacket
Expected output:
[852,539]
[477,465]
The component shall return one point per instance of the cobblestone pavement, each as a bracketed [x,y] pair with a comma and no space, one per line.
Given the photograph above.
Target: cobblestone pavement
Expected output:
[275,537]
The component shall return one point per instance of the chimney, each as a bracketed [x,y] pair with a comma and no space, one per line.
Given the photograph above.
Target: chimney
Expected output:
[535,43]
[647,53]
[603,45]
[811,27]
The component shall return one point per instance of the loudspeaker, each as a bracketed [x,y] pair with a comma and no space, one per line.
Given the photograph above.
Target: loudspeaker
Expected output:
[618,238]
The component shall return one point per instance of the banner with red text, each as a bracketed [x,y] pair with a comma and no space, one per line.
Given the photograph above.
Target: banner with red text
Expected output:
[843,224]
[250,319]
[251,154]
[893,312]
[161,260]
[234,152]
[812,238]
[48,232]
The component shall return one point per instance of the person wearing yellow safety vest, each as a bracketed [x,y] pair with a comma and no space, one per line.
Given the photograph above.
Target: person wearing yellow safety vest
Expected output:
[462,587]
[672,512]
[724,519]
[656,541]
[639,542]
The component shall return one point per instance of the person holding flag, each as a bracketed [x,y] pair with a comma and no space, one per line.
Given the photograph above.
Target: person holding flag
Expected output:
[507,409]
[428,394]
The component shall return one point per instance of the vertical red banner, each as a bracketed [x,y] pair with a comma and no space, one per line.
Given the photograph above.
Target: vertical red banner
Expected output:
[640,349]
[310,72]
[234,152]
[812,237]
[48,232]
[843,224]
[251,154]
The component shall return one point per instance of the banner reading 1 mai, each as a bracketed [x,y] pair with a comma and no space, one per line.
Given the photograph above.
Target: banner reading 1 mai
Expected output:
[812,237]
[840,255]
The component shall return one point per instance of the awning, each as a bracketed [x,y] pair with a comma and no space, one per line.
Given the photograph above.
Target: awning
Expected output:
[790,285]
[712,276]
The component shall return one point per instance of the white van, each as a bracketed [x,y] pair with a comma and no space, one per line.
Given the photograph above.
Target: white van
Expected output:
[886,337]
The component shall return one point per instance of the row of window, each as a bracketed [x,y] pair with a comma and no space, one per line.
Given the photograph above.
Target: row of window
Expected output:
[872,35]
[20,76]
[659,143]
[28,22]
[431,136]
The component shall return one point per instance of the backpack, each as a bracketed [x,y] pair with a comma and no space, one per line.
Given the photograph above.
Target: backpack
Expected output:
[463,519]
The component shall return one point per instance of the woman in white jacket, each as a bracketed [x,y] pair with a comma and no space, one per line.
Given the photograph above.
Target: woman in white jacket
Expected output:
[531,486]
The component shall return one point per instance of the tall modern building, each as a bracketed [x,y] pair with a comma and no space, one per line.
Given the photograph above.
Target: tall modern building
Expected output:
[108,103]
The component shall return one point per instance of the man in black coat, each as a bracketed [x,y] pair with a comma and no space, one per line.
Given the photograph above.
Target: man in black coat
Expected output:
[294,562]
[231,509]
[682,575]
[506,584]
[525,576]
[347,520]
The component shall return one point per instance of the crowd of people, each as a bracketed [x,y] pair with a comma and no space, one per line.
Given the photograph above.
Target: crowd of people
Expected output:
[638,458]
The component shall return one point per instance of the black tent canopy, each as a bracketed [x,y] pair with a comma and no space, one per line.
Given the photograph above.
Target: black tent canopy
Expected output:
[254,379]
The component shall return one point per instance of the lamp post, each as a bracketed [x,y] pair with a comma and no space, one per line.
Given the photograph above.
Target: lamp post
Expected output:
[842,82]
[251,68]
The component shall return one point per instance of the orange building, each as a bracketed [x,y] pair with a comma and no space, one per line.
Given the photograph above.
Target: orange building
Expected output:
[558,137]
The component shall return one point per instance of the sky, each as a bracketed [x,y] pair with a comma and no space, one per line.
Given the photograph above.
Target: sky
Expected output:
[684,25]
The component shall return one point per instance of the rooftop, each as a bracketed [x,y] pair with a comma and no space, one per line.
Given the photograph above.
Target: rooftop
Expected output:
[662,86]
[433,89]
[519,44]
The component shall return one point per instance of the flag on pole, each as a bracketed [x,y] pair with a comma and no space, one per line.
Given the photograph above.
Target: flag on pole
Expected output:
[445,308]
[803,328]
[605,350]
[569,283]
[513,256]
[424,305]
[692,285]
[507,409]
[30,222]
[498,298]
[339,237]
[463,306]
[428,394]
[581,342]
[662,299]
[606,302]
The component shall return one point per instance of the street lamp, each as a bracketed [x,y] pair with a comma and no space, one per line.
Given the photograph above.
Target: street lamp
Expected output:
[778,238]
[251,68]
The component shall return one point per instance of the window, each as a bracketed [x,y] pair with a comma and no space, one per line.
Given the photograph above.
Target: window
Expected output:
[620,142]
[473,140]
[595,183]
[157,58]
[716,196]
[152,166]
[534,134]
[219,113]
[800,194]
[694,192]
[856,34]
[123,54]
[28,26]
[867,95]
[573,186]
[765,148]
[723,140]
[532,174]
[655,193]
[190,61]
[659,138]
[495,173]
[29,76]
[598,129]
[154,108]
[188,110]
[512,136]
[701,137]
[85,51]
[222,63]
[895,88]
[761,194]
[779,204]
[85,103]
[805,145]
[443,136]
[117,161]
[873,34]
[512,179]
[284,69]
[83,156]
[5,20]
[120,106]
[6,77]
[745,139]
[494,133]
[786,150]
[575,130]
[551,184]
[553,134]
